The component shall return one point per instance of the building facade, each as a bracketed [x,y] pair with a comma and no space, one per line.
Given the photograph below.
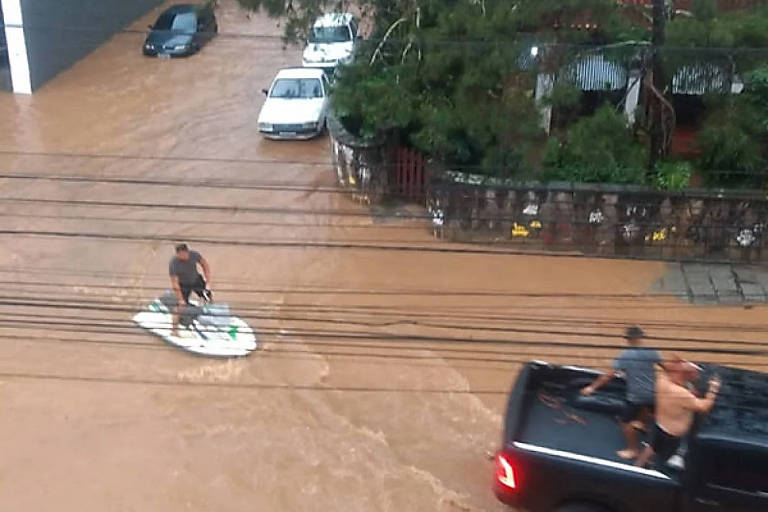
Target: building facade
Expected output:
[40,38]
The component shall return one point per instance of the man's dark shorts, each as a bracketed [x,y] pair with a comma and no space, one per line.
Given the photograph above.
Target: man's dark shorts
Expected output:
[633,411]
[198,287]
[664,445]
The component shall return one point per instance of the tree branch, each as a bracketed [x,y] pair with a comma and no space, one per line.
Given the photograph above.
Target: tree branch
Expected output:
[377,52]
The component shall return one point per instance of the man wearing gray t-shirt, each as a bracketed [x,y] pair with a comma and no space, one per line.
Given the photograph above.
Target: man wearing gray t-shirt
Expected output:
[186,279]
[638,366]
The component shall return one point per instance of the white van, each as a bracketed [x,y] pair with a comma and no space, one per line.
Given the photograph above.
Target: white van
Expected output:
[331,41]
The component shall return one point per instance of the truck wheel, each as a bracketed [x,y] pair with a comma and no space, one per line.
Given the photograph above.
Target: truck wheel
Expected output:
[581,507]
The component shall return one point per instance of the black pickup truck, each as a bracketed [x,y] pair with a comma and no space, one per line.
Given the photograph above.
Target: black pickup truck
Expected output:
[558,449]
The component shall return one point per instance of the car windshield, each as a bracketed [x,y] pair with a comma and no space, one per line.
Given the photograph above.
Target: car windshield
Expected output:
[297,88]
[185,22]
[330,35]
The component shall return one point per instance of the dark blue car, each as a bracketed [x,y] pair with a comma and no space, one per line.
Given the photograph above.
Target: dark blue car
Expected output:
[181,30]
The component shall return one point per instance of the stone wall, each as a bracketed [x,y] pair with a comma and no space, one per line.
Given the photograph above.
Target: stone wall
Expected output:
[609,220]
[362,166]
[602,220]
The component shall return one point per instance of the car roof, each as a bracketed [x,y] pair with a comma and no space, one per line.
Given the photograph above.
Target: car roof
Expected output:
[179,8]
[334,19]
[300,73]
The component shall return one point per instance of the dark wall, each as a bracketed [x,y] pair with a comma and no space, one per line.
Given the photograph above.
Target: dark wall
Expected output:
[61,32]
[5,69]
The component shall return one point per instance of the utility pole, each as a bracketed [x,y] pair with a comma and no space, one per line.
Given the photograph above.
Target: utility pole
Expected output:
[657,61]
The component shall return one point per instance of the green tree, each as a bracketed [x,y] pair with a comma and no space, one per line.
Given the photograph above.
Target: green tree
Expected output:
[450,78]
[448,75]
[597,149]
[732,139]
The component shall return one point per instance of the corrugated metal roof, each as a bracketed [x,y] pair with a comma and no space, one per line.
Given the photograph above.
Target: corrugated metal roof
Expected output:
[700,78]
[595,73]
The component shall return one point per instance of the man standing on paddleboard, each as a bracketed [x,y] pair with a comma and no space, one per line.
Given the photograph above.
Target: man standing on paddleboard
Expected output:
[186,279]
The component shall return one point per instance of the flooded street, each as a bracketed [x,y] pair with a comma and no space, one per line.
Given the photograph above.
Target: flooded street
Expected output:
[386,353]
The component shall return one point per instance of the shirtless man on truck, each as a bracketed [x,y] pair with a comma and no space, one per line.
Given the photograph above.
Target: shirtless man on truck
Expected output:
[676,406]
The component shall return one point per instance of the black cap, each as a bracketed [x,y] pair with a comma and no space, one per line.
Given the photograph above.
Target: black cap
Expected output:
[182,247]
[633,333]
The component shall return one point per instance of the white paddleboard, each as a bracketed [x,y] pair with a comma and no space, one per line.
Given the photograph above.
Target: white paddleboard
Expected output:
[231,338]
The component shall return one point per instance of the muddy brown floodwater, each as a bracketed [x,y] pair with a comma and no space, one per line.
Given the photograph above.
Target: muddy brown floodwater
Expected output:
[359,400]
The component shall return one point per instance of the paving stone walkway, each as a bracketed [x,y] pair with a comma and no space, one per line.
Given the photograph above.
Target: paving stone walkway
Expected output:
[704,283]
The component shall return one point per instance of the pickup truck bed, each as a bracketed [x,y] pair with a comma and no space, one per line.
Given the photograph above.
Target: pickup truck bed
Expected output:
[554,420]
[559,449]
[556,416]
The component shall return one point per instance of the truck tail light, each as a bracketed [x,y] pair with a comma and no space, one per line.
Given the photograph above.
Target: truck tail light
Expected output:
[505,473]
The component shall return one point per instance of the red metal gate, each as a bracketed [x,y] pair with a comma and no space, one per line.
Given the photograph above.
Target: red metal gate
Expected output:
[410,177]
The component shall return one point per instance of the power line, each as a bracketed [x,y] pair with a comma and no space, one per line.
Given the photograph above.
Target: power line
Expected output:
[200,207]
[375,292]
[382,355]
[98,298]
[162,158]
[270,186]
[322,243]
[93,325]
[395,316]
[120,328]
[722,394]
[284,162]
[304,319]
[553,250]
[504,309]
[482,43]
[128,329]
[242,286]
[279,341]
[231,385]
[204,222]
[379,245]
[357,212]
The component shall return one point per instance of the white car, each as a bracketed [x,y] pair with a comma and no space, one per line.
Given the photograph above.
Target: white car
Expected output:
[296,105]
[331,41]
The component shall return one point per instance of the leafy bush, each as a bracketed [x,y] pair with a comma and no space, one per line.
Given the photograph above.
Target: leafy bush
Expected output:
[731,139]
[597,149]
[756,95]
[565,95]
[394,106]
[673,175]
[566,104]
[730,155]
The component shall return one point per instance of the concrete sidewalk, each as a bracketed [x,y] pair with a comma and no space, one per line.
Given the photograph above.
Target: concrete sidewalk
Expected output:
[703,283]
